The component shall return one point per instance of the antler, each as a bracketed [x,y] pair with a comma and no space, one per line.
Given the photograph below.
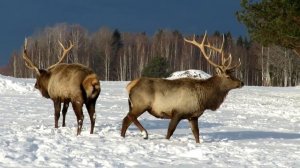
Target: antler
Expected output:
[225,61]
[64,54]
[29,64]
[201,47]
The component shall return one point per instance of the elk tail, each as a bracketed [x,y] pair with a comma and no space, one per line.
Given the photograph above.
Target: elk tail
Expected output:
[91,86]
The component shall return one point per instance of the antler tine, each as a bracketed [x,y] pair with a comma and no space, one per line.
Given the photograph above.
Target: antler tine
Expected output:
[65,51]
[201,47]
[235,66]
[192,41]
[28,63]
[225,61]
[64,54]
[219,50]
[25,44]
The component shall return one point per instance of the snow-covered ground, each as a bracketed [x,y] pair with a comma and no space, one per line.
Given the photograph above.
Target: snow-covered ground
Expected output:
[254,127]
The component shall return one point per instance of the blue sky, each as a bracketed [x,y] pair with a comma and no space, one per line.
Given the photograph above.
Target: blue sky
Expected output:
[21,18]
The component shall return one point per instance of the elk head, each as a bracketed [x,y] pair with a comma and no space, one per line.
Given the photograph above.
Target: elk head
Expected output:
[223,70]
[43,75]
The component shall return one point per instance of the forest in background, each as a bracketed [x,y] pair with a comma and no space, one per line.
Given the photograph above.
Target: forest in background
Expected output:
[116,55]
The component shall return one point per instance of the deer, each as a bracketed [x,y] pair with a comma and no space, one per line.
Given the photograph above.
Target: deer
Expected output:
[67,83]
[183,98]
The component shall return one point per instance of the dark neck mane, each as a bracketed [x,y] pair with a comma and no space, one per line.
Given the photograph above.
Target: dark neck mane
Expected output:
[215,96]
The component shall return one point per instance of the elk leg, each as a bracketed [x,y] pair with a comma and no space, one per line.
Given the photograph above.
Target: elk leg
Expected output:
[195,128]
[92,114]
[126,123]
[172,126]
[132,117]
[64,112]
[77,106]
[57,107]
[139,125]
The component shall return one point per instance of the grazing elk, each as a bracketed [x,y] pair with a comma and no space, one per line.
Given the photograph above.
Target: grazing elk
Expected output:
[184,98]
[65,83]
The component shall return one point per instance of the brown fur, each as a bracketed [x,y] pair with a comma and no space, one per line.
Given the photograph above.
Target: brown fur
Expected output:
[91,85]
[73,83]
[131,85]
[178,99]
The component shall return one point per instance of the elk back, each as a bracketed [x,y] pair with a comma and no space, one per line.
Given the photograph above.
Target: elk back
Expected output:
[67,79]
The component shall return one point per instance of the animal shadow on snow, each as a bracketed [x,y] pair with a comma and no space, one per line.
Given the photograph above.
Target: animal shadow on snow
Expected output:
[247,135]
[155,124]
[150,124]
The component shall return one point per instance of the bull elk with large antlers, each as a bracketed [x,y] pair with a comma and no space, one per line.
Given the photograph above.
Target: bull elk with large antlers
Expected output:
[65,83]
[184,98]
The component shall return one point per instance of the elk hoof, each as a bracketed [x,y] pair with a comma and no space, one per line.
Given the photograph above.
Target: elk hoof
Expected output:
[145,134]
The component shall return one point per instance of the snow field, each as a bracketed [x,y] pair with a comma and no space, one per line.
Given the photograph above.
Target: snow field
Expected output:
[254,127]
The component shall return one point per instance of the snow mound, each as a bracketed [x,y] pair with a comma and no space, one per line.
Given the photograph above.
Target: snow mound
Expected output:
[192,73]
[10,84]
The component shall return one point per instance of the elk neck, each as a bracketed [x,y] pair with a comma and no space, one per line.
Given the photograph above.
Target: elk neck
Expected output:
[213,92]
[42,82]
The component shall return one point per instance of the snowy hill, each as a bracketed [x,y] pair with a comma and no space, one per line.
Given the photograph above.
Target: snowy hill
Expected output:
[254,127]
[10,84]
[198,74]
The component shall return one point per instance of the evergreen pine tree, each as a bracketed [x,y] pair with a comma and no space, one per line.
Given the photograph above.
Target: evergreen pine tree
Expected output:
[157,67]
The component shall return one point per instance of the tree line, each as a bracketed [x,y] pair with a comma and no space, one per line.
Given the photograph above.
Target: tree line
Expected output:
[116,55]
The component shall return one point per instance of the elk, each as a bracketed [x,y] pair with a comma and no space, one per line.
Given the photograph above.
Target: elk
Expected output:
[65,83]
[184,98]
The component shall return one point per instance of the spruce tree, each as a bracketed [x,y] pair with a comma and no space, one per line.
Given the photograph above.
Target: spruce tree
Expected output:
[157,67]
[272,22]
